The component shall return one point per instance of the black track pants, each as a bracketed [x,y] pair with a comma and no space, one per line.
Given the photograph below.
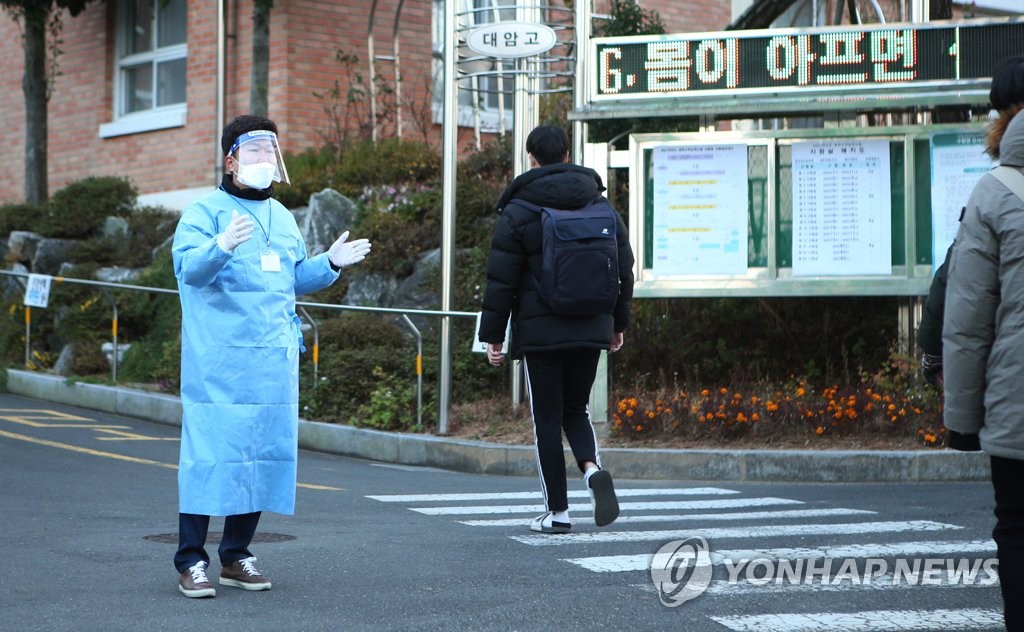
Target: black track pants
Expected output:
[1009,536]
[559,384]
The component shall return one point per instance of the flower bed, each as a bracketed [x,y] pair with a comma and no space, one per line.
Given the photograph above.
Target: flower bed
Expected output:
[771,416]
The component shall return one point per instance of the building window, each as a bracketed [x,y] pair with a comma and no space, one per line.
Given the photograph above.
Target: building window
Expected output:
[151,58]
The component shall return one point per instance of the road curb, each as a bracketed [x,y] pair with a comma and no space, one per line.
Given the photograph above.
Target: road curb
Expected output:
[812,466]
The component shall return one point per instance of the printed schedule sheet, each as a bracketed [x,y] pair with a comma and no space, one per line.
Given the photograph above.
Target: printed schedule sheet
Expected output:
[842,221]
[700,210]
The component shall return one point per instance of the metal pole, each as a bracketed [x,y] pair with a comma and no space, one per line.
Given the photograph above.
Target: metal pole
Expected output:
[419,370]
[450,137]
[316,345]
[525,115]
[113,327]
[218,161]
[28,336]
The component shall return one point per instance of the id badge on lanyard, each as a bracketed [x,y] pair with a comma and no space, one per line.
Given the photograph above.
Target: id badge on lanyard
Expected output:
[270,261]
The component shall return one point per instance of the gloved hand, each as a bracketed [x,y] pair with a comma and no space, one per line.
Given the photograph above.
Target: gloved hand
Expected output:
[963,442]
[237,233]
[345,253]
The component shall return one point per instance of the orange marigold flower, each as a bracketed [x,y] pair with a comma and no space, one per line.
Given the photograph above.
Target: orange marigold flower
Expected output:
[723,390]
[755,417]
[819,431]
[632,402]
[639,428]
[629,413]
[704,393]
[800,392]
[741,417]
[650,415]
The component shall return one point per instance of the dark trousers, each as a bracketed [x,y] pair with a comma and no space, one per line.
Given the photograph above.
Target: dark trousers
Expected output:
[559,384]
[234,543]
[1007,475]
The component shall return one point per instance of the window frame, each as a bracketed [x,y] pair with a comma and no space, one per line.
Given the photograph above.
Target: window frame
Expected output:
[489,115]
[156,117]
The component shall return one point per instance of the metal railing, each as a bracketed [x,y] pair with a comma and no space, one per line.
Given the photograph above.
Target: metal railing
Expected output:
[105,286]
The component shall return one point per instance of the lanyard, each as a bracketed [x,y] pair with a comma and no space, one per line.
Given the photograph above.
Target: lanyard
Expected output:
[270,217]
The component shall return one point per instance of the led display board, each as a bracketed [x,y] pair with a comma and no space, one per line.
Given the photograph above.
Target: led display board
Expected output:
[822,60]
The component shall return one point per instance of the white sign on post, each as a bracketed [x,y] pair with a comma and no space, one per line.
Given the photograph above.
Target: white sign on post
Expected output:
[37,291]
[481,347]
[511,40]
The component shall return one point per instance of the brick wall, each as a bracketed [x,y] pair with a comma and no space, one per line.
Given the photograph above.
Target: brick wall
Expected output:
[305,35]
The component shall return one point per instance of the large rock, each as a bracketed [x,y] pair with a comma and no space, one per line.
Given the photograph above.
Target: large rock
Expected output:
[22,245]
[65,361]
[114,226]
[117,274]
[371,289]
[419,289]
[12,288]
[329,214]
[50,254]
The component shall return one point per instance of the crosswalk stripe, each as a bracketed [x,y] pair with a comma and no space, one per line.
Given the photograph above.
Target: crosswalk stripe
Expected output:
[621,493]
[638,506]
[760,531]
[623,563]
[875,620]
[745,515]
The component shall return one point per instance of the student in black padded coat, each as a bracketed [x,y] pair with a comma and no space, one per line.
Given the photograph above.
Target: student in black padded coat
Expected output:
[560,353]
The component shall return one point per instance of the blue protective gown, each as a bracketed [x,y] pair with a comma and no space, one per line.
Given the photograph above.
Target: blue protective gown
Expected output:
[240,343]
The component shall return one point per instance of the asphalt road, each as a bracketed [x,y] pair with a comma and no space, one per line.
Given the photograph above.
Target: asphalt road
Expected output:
[88,519]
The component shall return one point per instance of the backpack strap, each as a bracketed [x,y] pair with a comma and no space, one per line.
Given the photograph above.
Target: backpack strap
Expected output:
[1012,178]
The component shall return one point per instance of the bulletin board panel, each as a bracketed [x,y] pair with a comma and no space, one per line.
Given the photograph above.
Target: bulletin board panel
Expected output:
[696,231]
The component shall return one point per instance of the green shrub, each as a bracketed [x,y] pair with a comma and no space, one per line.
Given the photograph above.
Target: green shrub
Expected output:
[352,348]
[79,209]
[392,161]
[397,242]
[310,172]
[388,405]
[20,217]
[748,340]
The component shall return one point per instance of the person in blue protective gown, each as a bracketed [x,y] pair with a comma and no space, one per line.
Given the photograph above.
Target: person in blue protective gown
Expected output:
[240,261]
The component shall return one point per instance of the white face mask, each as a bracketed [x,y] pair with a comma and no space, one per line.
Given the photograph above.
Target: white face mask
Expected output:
[257,176]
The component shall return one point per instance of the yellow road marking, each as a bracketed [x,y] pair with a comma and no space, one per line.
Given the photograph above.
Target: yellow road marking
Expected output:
[123,457]
[81,450]
[47,414]
[120,435]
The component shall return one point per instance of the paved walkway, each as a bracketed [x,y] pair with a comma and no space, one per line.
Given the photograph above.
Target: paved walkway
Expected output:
[491,458]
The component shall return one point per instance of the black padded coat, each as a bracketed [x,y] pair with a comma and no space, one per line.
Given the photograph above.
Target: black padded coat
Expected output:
[515,263]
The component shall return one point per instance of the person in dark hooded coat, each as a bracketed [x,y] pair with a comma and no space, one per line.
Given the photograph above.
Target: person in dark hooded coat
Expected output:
[560,353]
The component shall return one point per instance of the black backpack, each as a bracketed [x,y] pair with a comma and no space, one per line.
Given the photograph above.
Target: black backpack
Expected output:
[580,269]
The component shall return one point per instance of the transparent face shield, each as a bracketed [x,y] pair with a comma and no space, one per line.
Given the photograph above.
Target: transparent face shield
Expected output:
[260,146]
